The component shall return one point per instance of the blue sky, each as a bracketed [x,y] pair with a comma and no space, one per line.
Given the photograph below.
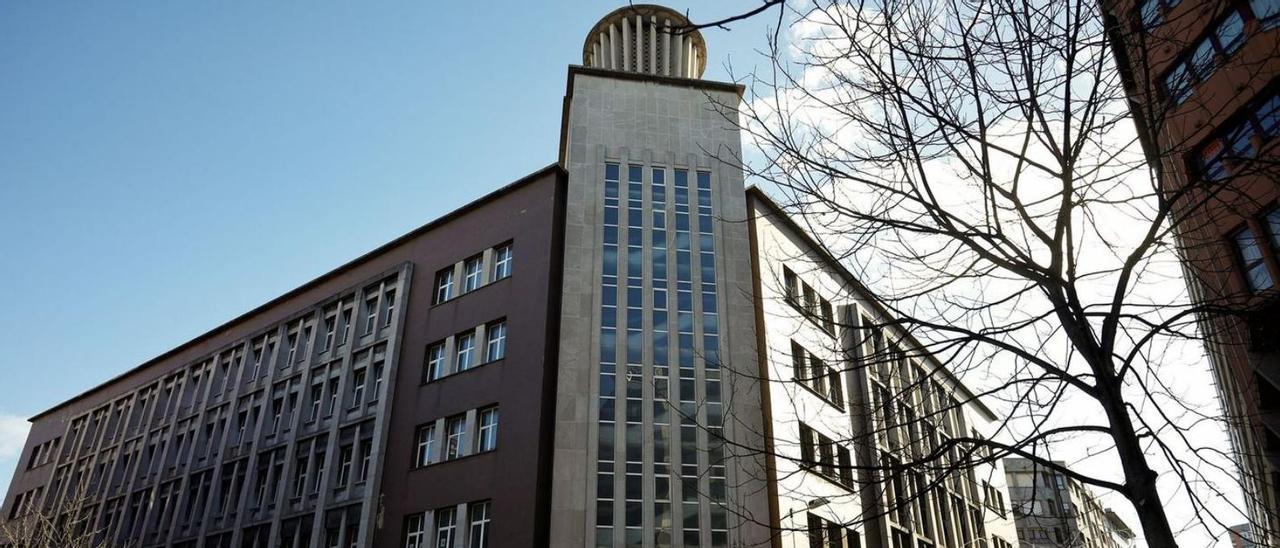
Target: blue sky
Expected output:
[166,166]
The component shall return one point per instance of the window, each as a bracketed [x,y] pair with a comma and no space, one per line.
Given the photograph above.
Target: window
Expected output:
[435,361]
[810,299]
[1236,142]
[818,376]
[791,283]
[344,326]
[330,331]
[366,455]
[357,387]
[1205,57]
[1272,221]
[496,347]
[446,524]
[300,477]
[293,349]
[479,535]
[444,286]
[455,432]
[1267,12]
[828,317]
[465,357]
[473,273]
[488,433]
[390,298]
[1252,262]
[317,394]
[425,446]
[825,534]
[415,531]
[501,262]
[333,396]
[345,455]
[370,314]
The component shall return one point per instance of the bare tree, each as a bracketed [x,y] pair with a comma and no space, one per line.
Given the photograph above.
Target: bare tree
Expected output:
[976,164]
[67,524]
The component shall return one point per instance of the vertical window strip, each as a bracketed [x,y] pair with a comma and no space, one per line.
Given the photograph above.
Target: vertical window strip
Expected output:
[608,359]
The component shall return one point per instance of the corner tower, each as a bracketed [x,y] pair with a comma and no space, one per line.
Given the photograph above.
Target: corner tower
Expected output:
[658,416]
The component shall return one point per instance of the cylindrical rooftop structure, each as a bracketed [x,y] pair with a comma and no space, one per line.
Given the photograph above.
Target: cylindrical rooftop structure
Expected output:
[646,39]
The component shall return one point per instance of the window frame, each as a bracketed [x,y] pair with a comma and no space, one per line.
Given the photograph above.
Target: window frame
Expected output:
[472,278]
[442,289]
[503,259]
[487,432]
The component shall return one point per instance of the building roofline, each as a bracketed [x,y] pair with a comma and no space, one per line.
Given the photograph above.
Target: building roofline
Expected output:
[575,70]
[754,193]
[437,222]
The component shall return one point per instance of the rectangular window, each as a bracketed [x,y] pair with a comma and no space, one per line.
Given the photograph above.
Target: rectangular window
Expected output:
[488,432]
[300,478]
[424,448]
[1205,57]
[828,317]
[444,286]
[344,326]
[1266,11]
[464,358]
[797,362]
[473,273]
[1252,261]
[330,331]
[317,395]
[366,455]
[790,282]
[479,534]
[370,314]
[293,349]
[435,361]
[415,531]
[496,346]
[345,456]
[501,262]
[390,298]
[357,387]
[446,524]
[455,437]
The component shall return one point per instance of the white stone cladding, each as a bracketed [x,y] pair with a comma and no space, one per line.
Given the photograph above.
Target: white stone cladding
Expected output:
[678,124]
[780,244]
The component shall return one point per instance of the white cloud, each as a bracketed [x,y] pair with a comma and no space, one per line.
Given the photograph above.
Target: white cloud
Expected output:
[13,434]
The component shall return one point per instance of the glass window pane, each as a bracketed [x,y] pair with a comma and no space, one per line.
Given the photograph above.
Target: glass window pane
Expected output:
[1268,113]
[1231,33]
[1177,84]
[1267,12]
[1255,268]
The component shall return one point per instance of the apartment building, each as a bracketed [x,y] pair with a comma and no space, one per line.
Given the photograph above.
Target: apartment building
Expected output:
[1053,510]
[1204,92]
[850,403]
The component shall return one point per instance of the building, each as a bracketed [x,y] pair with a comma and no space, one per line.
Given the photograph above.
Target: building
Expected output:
[1053,510]
[1202,81]
[848,400]
[1240,535]
[571,360]
[382,388]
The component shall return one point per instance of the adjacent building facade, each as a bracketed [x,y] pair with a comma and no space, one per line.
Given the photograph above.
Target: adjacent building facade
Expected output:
[1204,92]
[1053,510]
[850,403]
[573,360]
